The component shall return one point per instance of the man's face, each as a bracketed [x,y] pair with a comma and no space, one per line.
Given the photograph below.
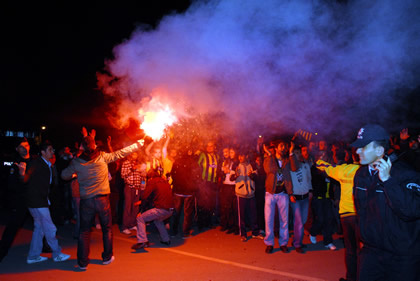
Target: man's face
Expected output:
[172,153]
[241,158]
[210,147]
[369,153]
[305,152]
[157,153]
[322,146]
[48,153]
[281,148]
[226,152]
[232,154]
[23,149]
[134,156]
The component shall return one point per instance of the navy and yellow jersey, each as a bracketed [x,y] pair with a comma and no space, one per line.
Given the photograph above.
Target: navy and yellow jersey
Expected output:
[209,164]
[344,174]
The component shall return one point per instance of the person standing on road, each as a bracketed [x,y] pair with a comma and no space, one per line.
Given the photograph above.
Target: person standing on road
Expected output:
[91,169]
[387,201]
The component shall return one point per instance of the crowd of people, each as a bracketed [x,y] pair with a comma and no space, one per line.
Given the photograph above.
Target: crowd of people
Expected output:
[266,189]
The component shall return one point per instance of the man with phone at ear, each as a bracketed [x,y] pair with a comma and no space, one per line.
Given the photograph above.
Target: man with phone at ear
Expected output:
[387,201]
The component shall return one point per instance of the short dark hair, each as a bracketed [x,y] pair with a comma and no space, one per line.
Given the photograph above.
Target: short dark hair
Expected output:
[44,145]
[20,140]
[384,143]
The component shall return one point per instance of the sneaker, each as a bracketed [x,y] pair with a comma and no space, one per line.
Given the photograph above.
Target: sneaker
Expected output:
[109,261]
[299,250]
[167,243]
[140,245]
[259,236]
[269,249]
[61,257]
[284,249]
[82,267]
[243,238]
[312,238]
[331,246]
[35,260]
[126,231]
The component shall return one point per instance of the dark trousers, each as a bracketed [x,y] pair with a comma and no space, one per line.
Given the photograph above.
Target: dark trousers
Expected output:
[247,205]
[351,245]
[228,207]
[188,204]
[206,203]
[323,221]
[16,219]
[131,196]
[375,264]
[88,209]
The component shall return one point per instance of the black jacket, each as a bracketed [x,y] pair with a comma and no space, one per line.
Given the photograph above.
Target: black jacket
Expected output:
[37,179]
[185,174]
[388,213]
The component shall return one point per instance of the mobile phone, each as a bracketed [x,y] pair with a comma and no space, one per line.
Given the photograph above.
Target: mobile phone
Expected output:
[393,157]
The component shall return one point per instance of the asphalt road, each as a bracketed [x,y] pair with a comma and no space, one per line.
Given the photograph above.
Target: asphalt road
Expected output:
[208,255]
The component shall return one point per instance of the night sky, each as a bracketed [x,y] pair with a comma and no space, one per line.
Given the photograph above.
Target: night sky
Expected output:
[51,54]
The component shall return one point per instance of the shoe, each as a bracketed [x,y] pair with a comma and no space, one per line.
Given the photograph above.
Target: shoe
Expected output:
[126,231]
[109,261]
[133,228]
[61,257]
[230,231]
[299,250]
[284,249]
[35,260]
[312,238]
[140,245]
[259,236]
[331,246]
[82,267]
[98,226]
[186,235]
[167,243]
[243,238]
[269,249]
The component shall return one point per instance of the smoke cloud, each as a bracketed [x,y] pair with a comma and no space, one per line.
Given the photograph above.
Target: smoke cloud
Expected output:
[272,66]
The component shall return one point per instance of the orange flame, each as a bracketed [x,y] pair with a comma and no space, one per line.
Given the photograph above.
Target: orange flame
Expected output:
[155,122]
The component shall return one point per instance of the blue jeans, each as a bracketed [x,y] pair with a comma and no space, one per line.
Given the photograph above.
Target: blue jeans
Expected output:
[157,216]
[43,226]
[300,215]
[282,202]
[88,209]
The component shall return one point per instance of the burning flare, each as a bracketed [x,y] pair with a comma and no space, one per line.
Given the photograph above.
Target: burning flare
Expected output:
[156,120]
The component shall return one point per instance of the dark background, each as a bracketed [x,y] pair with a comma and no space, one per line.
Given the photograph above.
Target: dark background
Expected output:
[50,54]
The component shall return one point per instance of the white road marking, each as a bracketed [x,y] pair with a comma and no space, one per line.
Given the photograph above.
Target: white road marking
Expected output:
[241,265]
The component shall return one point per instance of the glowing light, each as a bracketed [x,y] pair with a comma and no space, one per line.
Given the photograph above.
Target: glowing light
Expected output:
[43,128]
[156,121]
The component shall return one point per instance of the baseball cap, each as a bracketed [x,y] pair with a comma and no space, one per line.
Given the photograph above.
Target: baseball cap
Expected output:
[369,133]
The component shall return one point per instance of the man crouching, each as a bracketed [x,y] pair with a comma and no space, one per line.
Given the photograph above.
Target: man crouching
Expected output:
[159,193]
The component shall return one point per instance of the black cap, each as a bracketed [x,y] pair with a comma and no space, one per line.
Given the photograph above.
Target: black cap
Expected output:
[369,133]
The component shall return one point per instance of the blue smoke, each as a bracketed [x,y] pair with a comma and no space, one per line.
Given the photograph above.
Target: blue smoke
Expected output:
[277,66]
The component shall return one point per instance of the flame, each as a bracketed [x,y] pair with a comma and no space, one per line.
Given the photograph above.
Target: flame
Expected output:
[156,121]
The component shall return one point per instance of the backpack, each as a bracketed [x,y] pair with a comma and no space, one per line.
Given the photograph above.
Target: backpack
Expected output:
[244,186]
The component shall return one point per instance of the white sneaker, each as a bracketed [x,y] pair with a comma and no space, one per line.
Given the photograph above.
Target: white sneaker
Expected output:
[61,257]
[133,228]
[312,238]
[35,260]
[109,261]
[331,246]
[126,231]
